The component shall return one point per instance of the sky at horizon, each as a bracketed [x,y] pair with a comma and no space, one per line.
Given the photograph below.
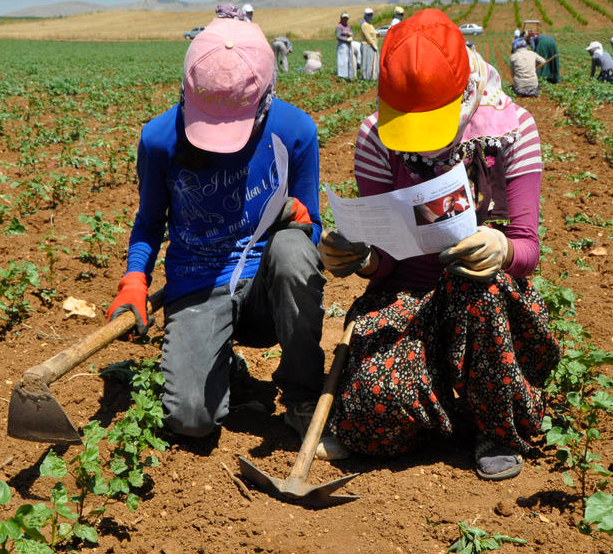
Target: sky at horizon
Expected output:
[8,6]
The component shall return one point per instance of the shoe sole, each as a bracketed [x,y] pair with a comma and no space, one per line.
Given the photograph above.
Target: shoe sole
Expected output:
[509,473]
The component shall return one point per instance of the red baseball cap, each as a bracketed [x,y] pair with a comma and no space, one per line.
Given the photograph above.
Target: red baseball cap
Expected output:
[424,71]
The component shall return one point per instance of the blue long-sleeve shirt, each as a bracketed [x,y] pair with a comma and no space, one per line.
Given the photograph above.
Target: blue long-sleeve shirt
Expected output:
[212,213]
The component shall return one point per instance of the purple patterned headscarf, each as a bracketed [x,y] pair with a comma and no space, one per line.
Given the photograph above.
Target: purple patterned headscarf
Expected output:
[230,11]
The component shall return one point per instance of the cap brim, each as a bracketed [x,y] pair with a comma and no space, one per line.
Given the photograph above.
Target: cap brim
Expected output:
[217,134]
[418,131]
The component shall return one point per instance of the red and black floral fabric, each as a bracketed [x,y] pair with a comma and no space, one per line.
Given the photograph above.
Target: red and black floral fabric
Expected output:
[417,360]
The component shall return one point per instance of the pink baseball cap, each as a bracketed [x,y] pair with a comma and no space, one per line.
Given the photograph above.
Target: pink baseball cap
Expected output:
[228,68]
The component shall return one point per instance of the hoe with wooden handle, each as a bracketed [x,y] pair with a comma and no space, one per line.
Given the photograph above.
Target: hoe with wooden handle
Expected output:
[34,414]
[295,488]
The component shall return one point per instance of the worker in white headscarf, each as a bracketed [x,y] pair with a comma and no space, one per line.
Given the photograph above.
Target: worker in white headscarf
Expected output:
[248,9]
[398,15]
[601,59]
[516,40]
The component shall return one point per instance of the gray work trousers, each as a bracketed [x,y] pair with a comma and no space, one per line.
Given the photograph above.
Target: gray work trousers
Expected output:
[282,304]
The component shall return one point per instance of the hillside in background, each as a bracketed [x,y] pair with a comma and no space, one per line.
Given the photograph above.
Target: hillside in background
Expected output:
[61,9]
[299,22]
[169,25]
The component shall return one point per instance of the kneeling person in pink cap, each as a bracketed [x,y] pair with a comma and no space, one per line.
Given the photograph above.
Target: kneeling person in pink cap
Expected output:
[456,339]
[207,170]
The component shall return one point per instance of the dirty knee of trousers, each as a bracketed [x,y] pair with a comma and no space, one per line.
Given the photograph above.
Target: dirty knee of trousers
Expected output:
[291,252]
[187,419]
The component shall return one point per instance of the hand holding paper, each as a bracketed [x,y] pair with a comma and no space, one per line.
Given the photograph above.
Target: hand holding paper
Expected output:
[394,222]
[340,256]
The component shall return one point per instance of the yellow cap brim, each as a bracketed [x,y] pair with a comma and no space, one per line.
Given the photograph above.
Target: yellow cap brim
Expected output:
[418,131]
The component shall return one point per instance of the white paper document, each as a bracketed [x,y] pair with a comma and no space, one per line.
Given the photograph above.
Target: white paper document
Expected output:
[421,219]
[273,208]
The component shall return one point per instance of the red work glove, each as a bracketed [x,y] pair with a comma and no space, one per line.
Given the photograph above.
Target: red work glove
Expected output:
[132,296]
[294,215]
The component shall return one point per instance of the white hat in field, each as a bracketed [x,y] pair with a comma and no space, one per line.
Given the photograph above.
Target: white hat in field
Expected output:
[594,45]
[248,8]
[368,11]
[517,33]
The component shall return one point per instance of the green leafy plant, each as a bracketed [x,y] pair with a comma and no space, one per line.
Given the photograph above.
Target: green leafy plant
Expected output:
[582,218]
[50,246]
[20,533]
[581,397]
[581,244]
[583,264]
[102,233]
[101,475]
[14,281]
[272,353]
[335,311]
[473,539]
[599,512]
[576,425]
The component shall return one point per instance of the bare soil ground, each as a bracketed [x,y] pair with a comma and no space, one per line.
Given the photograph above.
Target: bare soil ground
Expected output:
[409,504]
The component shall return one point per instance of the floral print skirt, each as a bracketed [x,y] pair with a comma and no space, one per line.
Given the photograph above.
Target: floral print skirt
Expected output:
[418,361]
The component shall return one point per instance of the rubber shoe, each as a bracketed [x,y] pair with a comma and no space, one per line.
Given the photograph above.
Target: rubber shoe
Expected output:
[495,462]
[298,417]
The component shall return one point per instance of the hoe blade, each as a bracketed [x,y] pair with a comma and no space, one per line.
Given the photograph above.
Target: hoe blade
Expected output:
[296,490]
[35,415]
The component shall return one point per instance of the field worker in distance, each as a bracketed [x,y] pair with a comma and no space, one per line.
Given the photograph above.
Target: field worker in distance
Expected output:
[456,339]
[397,16]
[281,47]
[345,62]
[370,47]
[517,38]
[523,69]
[313,61]
[601,59]
[206,170]
[546,47]
[248,11]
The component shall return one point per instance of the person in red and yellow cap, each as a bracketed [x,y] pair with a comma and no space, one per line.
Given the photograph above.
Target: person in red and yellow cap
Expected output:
[455,337]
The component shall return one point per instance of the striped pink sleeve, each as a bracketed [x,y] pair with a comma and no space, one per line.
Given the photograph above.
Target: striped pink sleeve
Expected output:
[372,169]
[524,155]
[524,168]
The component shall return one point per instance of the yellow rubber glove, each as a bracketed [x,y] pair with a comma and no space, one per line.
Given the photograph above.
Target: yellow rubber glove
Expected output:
[340,256]
[478,256]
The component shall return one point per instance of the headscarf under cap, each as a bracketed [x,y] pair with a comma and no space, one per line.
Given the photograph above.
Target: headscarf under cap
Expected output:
[487,114]
[230,11]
